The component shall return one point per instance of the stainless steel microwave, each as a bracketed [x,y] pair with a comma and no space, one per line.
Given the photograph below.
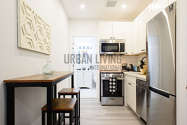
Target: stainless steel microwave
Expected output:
[107,47]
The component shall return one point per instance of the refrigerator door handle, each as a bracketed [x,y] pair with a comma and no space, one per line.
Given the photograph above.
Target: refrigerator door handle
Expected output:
[160,92]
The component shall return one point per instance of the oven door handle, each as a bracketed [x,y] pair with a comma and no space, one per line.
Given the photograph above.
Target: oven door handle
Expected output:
[118,78]
[105,79]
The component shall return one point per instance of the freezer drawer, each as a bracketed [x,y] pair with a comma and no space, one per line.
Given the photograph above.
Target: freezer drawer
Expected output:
[161,109]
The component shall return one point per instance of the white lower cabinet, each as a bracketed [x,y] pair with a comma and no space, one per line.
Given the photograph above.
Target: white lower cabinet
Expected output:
[130,83]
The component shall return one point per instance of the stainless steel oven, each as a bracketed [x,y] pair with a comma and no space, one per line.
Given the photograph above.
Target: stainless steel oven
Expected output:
[112,92]
[112,47]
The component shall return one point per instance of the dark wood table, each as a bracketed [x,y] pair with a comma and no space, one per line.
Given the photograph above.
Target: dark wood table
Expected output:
[39,80]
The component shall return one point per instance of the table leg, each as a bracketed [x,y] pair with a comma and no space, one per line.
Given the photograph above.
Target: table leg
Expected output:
[55,96]
[79,105]
[55,91]
[10,108]
[72,81]
[49,105]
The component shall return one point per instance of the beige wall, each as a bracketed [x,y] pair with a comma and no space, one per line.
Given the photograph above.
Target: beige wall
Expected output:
[18,62]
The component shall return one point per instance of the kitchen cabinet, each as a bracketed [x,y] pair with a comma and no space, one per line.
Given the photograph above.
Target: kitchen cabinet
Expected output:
[131,92]
[105,30]
[134,34]
[140,37]
[119,30]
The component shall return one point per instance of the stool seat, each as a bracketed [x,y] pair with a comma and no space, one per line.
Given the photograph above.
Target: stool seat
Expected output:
[69,91]
[60,105]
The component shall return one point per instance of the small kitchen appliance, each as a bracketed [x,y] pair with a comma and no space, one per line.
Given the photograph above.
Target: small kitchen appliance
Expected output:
[108,46]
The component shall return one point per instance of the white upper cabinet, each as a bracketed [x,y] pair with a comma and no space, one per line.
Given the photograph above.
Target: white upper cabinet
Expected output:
[134,34]
[140,39]
[105,29]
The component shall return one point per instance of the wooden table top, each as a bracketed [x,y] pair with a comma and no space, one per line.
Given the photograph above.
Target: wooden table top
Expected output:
[40,78]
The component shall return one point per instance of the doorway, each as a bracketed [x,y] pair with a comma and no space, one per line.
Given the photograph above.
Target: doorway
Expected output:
[86,51]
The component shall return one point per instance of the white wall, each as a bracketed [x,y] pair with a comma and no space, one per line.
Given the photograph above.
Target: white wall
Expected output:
[181,62]
[18,62]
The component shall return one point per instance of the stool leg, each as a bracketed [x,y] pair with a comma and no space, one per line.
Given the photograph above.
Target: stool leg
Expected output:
[43,118]
[59,118]
[76,113]
[79,105]
[70,118]
[54,118]
[64,119]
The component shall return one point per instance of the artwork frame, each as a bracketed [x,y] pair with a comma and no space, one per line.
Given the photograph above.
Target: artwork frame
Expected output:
[33,33]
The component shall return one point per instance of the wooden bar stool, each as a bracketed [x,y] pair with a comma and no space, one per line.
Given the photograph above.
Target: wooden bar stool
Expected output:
[59,106]
[71,92]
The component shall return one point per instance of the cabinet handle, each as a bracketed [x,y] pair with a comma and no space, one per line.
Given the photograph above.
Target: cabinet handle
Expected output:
[129,83]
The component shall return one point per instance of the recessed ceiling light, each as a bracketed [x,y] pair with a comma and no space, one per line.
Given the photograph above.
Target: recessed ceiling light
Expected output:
[82,6]
[123,6]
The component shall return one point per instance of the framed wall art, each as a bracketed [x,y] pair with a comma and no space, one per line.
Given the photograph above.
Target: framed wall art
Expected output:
[33,32]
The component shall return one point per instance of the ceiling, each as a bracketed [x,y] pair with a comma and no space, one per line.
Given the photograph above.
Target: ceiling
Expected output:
[97,10]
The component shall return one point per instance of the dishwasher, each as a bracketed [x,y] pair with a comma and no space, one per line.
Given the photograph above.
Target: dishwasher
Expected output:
[141,99]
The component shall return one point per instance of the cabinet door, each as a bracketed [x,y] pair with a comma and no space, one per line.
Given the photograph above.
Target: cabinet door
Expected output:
[122,27]
[128,96]
[105,29]
[130,39]
[140,36]
[131,92]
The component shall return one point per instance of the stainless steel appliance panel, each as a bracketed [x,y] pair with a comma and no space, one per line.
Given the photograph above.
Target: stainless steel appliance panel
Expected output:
[161,50]
[114,47]
[112,89]
[161,68]
[110,101]
[161,109]
[141,99]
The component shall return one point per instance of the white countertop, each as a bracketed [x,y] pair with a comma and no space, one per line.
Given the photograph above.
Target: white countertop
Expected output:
[136,74]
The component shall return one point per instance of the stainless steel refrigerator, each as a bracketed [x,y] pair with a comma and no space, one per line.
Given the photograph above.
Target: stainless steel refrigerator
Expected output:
[161,102]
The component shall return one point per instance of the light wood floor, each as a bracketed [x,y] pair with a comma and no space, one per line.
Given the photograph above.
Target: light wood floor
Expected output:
[92,113]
